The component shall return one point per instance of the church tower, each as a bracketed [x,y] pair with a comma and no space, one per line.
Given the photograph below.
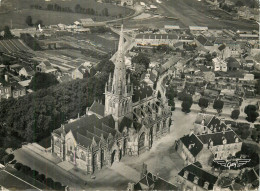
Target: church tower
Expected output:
[119,90]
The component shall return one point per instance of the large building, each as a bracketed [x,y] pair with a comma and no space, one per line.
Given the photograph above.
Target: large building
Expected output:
[210,137]
[128,124]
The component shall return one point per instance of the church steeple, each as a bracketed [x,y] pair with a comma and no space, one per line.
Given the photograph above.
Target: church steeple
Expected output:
[119,78]
[119,90]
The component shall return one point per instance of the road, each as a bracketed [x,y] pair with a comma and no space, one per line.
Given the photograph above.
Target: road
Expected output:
[49,169]
[190,13]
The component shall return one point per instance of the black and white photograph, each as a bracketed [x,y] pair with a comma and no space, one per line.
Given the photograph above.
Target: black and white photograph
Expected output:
[129,95]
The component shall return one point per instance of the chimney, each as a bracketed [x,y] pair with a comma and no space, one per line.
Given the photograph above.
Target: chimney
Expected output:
[6,78]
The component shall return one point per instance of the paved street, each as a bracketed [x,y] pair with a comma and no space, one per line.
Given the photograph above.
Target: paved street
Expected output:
[49,169]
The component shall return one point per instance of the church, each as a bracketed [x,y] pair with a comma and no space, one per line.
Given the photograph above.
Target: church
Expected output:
[128,124]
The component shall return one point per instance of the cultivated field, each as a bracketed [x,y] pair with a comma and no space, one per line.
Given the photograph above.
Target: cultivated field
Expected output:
[21,9]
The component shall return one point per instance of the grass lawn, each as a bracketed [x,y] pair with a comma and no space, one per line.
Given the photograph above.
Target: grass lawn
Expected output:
[21,9]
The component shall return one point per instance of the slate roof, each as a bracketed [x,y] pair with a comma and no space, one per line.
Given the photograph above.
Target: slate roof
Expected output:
[142,92]
[203,176]
[217,124]
[229,135]
[232,62]
[150,181]
[204,41]
[222,47]
[97,108]
[156,36]
[188,140]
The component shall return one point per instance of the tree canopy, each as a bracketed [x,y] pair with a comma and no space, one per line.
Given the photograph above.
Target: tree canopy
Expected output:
[218,105]
[42,81]
[251,112]
[235,114]
[203,103]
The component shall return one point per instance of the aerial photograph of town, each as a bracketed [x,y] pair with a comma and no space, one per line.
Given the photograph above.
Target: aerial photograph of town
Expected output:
[128,95]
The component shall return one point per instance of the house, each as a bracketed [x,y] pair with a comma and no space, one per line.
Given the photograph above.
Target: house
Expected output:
[150,181]
[87,22]
[195,178]
[149,77]
[26,71]
[46,67]
[5,91]
[17,90]
[232,64]
[202,41]
[202,147]
[219,65]
[64,78]
[15,68]
[223,51]
[79,72]
[156,39]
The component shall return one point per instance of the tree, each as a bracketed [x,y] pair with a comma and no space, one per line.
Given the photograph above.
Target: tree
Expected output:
[29,21]
[251,112]
[218,105]
[42,81]
[7,33]
[77,8]
[18,166]
[234,114]
[239,4]
[105,12]
[141,59]
[186,105]
[203,103]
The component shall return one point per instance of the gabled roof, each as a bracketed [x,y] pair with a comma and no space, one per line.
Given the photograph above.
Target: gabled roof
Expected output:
[217,137]
[193,140]
[195,170]
[204,41]
[232,62]
[157,36]
[222,47]
[155,183]
[97,108]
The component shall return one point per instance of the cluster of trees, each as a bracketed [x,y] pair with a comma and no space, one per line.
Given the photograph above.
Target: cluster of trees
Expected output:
[34,116]
[7,33]
[29,22]
[252,114]
[39,177]
[162,48]
[170,95]
[42,81]
[256,134]
[56,7]
[186,101]
[100,29]
[141,63]
[89,11]
[30,41]
[5,157]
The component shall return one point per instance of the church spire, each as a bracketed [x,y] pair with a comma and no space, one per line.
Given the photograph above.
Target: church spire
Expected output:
[119,78]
